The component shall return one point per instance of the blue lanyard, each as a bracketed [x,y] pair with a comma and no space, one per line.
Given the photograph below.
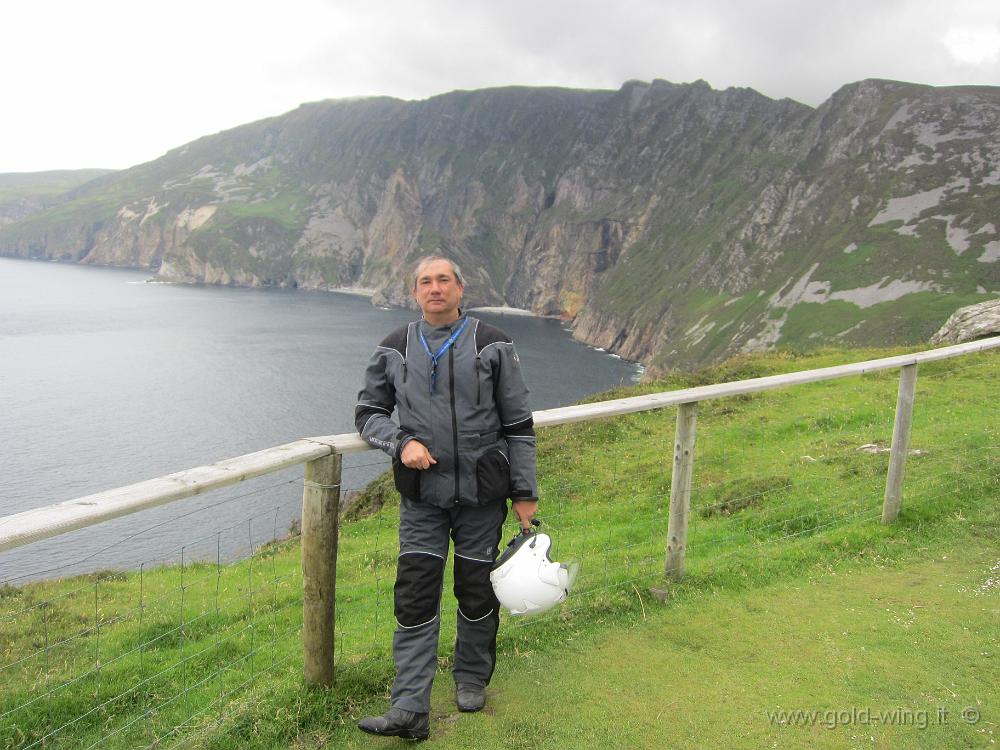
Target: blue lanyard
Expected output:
[440,352]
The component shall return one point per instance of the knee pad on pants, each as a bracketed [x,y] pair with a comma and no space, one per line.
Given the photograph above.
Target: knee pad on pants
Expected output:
[473,589]
[417,589]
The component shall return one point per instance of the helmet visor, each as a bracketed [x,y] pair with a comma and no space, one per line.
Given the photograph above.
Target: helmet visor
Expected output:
[568,571]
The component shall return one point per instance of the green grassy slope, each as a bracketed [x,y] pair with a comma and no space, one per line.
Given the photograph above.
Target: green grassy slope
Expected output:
[795,596]
[18,185]
[893,655]
[25,193]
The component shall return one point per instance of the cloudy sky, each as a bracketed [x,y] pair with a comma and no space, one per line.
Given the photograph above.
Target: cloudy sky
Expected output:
[112,83]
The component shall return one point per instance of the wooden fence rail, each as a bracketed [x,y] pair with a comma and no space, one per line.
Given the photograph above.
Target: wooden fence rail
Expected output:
[321,492]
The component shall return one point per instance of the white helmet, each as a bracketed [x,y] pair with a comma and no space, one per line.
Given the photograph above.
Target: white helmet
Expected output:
[525,579]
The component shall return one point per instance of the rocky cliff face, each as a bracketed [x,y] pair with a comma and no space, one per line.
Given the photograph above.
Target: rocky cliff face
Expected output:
[673,224]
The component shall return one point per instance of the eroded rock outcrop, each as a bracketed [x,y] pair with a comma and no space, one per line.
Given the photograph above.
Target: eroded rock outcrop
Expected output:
[970,323]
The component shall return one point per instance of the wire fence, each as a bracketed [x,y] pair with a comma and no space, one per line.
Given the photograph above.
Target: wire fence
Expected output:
[165,648]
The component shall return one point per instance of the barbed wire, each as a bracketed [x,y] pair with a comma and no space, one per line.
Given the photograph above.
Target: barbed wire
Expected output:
[146,529]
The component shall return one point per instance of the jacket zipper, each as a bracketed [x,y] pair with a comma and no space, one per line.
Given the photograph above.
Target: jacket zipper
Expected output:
[454,416]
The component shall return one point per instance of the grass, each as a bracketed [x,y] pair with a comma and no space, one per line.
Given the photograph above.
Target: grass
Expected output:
[718,669]
[285,210]
[912,317]
[795,596]
[14,187]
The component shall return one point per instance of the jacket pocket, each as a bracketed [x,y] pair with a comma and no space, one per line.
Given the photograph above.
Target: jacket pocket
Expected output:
[407,480]
[493,476]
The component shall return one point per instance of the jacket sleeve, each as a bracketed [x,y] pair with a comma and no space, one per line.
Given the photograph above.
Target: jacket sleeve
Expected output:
[516,423]
[376,401]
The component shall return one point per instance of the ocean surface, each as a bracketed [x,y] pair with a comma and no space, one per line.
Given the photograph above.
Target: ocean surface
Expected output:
[107,380]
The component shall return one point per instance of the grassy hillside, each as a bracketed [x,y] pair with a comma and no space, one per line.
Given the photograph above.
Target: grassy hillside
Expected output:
[21,184]
[25,193]
[796,597]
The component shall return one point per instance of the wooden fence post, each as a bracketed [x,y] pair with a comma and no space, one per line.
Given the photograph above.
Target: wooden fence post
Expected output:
[900,443]
[320,506]
[680,489]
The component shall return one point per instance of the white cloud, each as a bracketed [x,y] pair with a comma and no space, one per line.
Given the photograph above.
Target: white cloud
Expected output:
[973,46]
[116,82]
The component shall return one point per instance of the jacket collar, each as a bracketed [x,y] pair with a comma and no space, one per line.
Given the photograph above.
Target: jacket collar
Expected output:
[449,328]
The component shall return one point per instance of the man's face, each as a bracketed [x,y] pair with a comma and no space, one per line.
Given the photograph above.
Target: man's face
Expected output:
[437,291]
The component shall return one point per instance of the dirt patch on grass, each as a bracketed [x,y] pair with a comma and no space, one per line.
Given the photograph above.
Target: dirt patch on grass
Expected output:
[739,494]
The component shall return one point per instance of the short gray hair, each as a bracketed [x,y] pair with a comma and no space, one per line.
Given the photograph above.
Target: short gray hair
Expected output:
[430,259]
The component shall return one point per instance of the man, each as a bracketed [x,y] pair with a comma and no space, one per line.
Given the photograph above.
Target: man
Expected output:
[463,444]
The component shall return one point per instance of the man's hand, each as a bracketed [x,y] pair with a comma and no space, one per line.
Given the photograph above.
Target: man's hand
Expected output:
[525,510]
[416,456]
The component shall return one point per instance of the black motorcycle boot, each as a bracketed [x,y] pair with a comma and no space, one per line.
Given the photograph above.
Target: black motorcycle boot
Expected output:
[470,697]
[397,722]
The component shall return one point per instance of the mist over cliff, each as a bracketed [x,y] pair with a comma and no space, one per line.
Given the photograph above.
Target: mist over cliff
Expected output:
[673,224]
